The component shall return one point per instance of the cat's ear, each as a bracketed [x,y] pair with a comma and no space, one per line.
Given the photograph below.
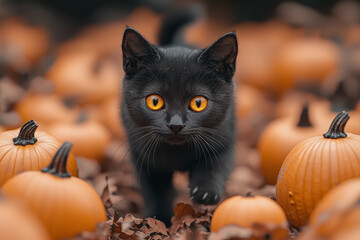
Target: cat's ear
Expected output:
[136,51]
[221,55]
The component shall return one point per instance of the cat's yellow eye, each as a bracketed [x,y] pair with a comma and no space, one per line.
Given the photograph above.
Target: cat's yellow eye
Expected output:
[154,102]
[198,103]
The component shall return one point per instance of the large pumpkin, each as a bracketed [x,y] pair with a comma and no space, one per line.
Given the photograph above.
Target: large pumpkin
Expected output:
[307,60]
[336,224]
[66,205]
[277,140]
[314,167]
[85,76]
[23,150]
[258,209]
[22,45]
[342,196]
[17,223]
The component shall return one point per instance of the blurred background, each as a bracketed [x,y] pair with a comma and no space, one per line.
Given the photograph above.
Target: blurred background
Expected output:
[61,64]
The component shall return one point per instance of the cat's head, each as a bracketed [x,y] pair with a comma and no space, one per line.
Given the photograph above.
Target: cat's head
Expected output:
[177,92]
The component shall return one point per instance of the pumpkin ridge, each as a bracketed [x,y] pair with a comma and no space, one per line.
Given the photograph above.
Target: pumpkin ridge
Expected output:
[312,202]
[14,163]
[354,152]
[321,164]
[8,159]
[307,153]
[294,164]
[27,134]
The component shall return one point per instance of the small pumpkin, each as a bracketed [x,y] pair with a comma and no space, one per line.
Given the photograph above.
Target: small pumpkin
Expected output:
[46,109]
[314,167]
[21,150]
[258,209]
[90,137]
[71,203]
[18,223]
[277,140]
[342,196]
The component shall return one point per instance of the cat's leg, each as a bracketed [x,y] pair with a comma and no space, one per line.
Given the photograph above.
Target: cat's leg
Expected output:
[158,193]
[208,178]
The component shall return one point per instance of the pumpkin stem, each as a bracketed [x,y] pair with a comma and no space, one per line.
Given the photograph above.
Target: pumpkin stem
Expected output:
[304,120]
[27,134]
[337,126]
[82,117]
[249,193]
[58,164]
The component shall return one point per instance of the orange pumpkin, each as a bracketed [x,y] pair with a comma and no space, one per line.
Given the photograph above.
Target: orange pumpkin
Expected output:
[314,167]
[110,117]
[342,196]
[17,223]
[249,100]
[90,138]
[85,76]
[336,224]
[277,140]
[306,61]
[46,109]
[66,205]
[22,150]
[22,45]
[258,209]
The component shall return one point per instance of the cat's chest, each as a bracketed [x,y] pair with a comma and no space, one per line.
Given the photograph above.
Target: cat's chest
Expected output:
[169,158]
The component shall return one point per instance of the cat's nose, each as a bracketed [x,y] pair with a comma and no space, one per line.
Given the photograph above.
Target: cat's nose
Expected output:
[176,123]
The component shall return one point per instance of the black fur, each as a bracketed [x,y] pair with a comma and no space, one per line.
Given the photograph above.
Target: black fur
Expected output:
[204,144]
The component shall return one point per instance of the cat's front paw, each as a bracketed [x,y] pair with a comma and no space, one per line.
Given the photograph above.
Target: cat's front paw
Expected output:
[205,195]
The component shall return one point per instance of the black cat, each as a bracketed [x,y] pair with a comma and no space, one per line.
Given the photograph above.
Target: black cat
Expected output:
[178,111]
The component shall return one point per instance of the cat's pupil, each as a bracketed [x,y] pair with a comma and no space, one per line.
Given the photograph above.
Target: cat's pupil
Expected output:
[155,101]
[198,103]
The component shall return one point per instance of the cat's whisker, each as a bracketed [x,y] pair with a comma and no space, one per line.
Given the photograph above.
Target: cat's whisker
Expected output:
[207,147]
[202,147]
[157,142]
[146,146]
[213,139]
[213,149]
[147,153]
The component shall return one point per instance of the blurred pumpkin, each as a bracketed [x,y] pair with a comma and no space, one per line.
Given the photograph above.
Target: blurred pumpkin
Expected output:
[342,196]
[258,209]
[258,45]
[336,224]
[204,32]
[90,137]
[110,117]
[17,223]
[47,194]
[249,99]
[306,61]
[279,137]
[22,45]
[46,109]
[314,167]
[21,150]
[85,76]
